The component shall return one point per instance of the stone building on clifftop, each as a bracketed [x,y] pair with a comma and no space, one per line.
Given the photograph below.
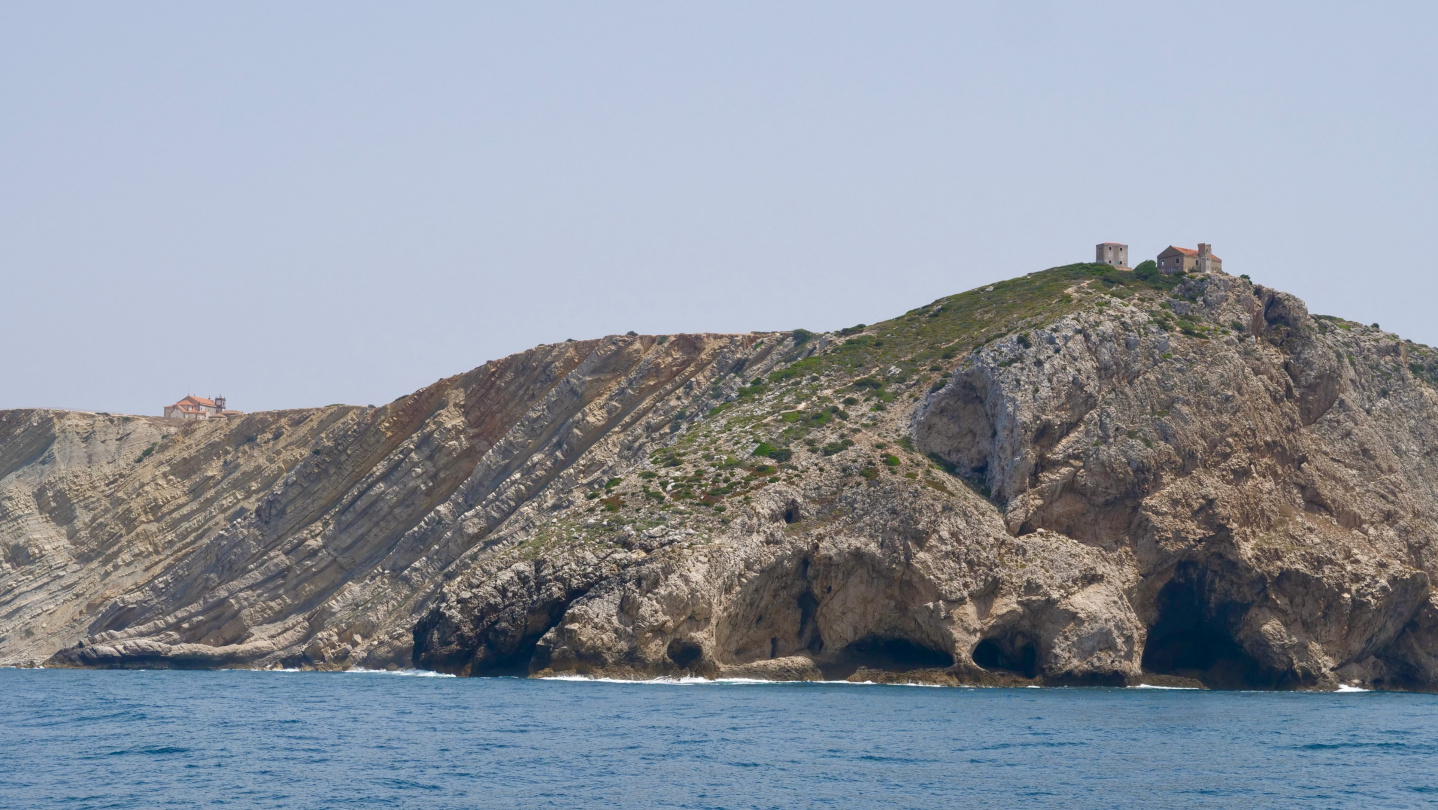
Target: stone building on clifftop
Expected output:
[193,408]
[1111,253]
[1182,260]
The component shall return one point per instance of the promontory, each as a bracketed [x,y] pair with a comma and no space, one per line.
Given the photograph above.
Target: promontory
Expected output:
[1086,475]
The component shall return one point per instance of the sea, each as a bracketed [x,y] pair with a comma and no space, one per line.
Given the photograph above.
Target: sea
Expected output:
[148,739]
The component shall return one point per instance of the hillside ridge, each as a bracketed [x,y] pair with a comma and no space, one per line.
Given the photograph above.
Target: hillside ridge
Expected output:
[1084,475]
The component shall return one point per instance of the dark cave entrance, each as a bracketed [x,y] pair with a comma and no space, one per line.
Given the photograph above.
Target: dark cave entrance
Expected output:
[1190,639]
[525,655]
[1014,653]
[515,663]
[886,653]
[684,654]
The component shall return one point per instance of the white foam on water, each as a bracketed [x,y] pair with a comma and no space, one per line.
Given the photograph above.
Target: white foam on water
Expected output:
[1343,687]
[690,680]
[404,673]
[411,673]
[1155,686]
[687,680]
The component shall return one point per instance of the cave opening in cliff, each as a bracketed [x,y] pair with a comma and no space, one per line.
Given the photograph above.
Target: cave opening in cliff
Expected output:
[888,654]
[515,662]
[506,656]
[1190,639]
[791,513]
[684,653]
[809,635]
[1013,653]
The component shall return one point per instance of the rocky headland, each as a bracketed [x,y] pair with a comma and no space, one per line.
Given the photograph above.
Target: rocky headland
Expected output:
[1080,476]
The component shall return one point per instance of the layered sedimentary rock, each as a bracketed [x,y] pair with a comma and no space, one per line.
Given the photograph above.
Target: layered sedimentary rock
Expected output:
[311,537]
[1080,476]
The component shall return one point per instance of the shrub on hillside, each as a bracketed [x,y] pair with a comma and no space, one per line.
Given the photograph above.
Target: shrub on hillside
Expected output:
[779,454]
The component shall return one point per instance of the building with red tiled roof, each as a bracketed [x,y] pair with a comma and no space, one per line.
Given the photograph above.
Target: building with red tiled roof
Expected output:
[1183,260]
[193,408]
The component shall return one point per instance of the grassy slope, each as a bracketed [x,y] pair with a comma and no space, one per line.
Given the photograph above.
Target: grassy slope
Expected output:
[835,411]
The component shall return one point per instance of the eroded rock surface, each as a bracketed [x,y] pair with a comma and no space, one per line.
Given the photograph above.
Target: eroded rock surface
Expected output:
[315,537]
[1074,477]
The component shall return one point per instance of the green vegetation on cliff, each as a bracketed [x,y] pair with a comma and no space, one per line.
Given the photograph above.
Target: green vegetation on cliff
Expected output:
[835,399]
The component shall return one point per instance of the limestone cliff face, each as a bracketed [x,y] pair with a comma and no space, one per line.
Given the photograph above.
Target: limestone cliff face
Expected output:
[1270,489]
[311,537]
[1079,476]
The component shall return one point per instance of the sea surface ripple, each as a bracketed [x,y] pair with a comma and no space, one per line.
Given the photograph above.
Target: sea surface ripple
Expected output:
[142,739]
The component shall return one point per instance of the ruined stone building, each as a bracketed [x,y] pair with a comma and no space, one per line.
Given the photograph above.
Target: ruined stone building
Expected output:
[1182,260]
[1111,253]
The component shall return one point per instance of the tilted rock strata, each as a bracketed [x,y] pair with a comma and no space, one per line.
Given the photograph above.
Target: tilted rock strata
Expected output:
[313,537]
[1198,483]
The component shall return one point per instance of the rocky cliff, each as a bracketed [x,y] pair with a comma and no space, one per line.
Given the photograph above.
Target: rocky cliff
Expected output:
[1080,476]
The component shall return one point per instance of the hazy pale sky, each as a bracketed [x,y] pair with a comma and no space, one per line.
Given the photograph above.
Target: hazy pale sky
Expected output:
[300,204]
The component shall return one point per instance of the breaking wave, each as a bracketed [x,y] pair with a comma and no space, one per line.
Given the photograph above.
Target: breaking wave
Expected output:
[690,680]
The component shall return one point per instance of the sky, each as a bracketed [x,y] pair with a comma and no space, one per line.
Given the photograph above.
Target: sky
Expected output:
[302,204]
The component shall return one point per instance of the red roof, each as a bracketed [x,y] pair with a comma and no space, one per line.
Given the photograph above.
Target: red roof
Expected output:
[1187,251]
[194,400]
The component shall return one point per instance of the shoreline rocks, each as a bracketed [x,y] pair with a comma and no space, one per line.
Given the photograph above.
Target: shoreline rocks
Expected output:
[1196,484]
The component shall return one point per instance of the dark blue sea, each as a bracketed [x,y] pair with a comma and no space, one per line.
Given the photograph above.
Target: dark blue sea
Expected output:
[81,739]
